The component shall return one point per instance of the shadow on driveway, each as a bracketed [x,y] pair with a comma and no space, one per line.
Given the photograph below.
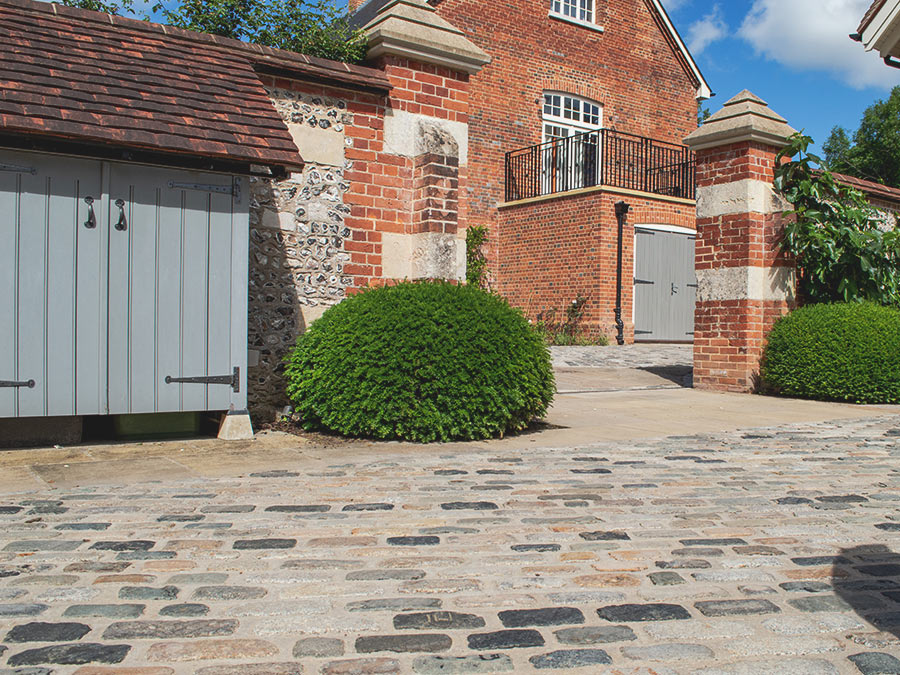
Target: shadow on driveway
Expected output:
[867,578]
[683,376]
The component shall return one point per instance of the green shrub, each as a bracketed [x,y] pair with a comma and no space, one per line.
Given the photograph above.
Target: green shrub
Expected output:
[840,352]
[422,362]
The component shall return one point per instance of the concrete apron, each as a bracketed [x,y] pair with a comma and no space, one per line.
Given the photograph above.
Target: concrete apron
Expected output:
[594,405]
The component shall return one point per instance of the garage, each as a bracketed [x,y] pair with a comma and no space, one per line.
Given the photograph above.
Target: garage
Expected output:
[127,285]
[125,166]
[665,285]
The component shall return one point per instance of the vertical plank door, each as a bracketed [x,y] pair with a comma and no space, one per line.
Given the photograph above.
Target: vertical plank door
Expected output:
[51,286]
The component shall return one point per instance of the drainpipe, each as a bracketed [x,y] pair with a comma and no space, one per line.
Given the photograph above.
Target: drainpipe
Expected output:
[621,214]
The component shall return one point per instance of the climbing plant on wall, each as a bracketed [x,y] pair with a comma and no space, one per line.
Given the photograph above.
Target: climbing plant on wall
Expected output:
[476,263]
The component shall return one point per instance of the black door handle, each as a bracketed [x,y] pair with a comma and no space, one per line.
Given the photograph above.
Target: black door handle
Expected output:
[122,223]
[91,221]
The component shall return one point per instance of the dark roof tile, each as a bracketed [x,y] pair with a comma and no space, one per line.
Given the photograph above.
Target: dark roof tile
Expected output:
[93,77]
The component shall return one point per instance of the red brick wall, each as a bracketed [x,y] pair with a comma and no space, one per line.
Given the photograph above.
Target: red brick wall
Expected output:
[379,192]
[729,335]
[564,247]
[630,69]
[385,190]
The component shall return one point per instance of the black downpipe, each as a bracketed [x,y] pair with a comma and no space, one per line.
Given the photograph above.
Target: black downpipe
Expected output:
[621,215]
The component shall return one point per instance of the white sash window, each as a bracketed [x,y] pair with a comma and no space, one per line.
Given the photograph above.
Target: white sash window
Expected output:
[570,164]
[580,10]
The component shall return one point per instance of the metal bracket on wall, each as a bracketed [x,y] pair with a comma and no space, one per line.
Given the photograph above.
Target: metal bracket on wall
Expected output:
[13,383]
[234,380]
[221,189]
[236,190]
[18,169]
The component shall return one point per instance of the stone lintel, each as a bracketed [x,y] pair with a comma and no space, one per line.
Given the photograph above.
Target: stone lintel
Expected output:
[747,283]
[741,196]
[412,29]
[744,118]
[412,134]
[424,255]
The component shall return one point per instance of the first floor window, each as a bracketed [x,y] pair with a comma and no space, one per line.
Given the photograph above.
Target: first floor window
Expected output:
[580,10]
[570,151]
[567,115]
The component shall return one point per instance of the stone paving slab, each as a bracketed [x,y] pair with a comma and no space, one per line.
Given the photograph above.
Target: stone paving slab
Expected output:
[768,551]
[625,356]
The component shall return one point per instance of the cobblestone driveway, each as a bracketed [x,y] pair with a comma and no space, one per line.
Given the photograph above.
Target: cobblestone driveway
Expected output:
[743,553]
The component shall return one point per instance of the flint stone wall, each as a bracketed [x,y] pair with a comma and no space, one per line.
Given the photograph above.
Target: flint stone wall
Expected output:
[297,243]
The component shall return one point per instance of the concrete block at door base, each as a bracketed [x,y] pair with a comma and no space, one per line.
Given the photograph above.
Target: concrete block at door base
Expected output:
[24,432]
[236,426]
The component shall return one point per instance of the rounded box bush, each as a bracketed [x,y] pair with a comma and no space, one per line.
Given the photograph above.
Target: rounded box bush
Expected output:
[840,352]
[428,361]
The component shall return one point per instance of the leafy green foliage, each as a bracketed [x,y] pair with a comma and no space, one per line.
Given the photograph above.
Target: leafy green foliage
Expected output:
[568,331]
[118,7]
[842,255]
[476,263]
[841,352]
[423,362]
[703,113]
[313,27]
[875,151]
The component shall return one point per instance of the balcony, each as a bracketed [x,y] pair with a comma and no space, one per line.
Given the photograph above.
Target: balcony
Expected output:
[600,158]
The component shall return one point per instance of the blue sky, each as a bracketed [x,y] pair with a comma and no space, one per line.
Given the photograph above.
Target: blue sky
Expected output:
[794,54]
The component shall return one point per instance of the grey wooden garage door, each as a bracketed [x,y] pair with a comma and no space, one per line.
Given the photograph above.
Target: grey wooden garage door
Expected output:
[125,287]
[665,287]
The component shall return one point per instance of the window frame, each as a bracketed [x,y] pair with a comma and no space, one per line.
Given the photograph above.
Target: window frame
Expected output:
[558,10]
[561,120]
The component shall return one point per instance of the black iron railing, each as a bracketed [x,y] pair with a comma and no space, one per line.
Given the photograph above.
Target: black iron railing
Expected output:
[602,157]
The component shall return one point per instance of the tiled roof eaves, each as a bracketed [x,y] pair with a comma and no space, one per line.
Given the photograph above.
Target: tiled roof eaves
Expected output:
[76,77]
[173,145]
[300,63]
[869,187]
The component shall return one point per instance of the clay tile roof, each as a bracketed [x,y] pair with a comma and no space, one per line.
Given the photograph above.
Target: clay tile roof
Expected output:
[874,8]
[95,78]
[869,187]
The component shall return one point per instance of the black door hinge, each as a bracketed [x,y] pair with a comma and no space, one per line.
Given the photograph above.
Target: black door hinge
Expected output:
[12,383]
[234,380]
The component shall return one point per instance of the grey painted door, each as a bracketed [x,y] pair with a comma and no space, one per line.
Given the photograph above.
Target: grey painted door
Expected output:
[52,246]
[665,289]
[125,288]
[177,240]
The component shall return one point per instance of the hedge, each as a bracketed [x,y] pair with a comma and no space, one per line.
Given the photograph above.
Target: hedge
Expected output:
[430,361]
[835,352]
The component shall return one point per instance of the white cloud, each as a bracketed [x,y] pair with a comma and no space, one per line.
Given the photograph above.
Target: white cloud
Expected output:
[813,35]
[674,5]
[711,28]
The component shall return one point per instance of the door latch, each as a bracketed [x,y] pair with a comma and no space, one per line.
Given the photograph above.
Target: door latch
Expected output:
[122,224]
[91,221]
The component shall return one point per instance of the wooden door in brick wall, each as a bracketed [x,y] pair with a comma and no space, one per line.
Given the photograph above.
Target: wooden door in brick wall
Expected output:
[665,287]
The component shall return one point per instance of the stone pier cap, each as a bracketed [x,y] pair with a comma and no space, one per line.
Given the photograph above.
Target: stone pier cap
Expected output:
[746,117]
[412,29]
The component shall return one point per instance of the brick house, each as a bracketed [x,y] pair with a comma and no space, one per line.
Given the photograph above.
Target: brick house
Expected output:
[583,104]
[186,204]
